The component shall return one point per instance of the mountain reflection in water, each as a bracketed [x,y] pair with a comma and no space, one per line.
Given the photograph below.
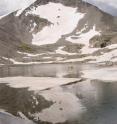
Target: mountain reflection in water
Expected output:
[85,102]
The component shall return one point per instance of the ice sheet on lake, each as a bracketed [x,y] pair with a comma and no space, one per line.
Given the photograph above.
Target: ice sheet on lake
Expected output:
[106,74]
[36,83]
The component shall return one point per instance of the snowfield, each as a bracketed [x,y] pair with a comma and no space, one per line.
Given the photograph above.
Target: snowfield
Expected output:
[63,21]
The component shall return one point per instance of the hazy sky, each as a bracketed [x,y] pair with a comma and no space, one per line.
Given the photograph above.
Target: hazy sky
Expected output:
[109,6]
[7,6]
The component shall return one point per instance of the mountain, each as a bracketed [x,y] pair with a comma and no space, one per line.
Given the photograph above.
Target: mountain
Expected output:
[58,31]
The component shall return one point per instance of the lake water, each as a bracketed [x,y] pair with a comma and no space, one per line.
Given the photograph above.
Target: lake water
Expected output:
[84,102]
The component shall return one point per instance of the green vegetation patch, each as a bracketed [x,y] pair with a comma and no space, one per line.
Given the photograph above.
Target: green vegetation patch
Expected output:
[25,48]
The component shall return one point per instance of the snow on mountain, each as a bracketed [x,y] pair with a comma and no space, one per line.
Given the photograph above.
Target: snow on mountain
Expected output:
[19,12]
[83,38]
[58,31]
[63,21]
[61,51]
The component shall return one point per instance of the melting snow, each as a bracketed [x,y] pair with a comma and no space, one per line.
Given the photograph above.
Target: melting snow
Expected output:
[84,38]
[34,25]
[81,59]
[60,51]
[24,63]
[109,56]
[64,20]
[29,54]
[20,11]
[112,46]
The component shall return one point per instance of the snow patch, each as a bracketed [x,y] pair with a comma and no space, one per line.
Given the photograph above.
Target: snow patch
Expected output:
[47,57]
[84,38]
[81,59]
[59,58]
[19,12]
[112,46]
[25,63]
[60,51]
[109,56]
[29,54]
[28,63]
[34,25]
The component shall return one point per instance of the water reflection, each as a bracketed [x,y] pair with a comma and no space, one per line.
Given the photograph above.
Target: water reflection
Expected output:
[101,102]
[85,102]
[66,106]
[10,119]
[47,70]
[21,100]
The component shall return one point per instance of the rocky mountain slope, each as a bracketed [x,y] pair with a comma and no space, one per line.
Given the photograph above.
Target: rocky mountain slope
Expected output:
[52,31]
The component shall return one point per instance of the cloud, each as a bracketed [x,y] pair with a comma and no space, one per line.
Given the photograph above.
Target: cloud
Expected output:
[7,6]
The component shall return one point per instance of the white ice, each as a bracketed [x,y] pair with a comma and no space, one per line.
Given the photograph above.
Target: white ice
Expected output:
[36,83]
[105,74]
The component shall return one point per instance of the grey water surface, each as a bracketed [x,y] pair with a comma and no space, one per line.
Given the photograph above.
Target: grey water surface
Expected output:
[85,102]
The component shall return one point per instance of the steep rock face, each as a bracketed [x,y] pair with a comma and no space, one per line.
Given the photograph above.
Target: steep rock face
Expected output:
[56,31]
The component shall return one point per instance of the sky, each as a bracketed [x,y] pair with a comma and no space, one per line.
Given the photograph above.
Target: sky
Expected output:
[7,6]
[109,6]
